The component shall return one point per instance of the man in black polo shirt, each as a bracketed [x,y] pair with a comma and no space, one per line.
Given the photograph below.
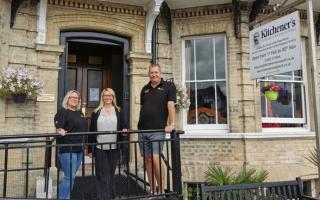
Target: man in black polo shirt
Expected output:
[157,99]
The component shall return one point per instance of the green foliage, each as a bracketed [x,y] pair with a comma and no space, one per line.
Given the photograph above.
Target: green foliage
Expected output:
[244,176]
[192,193]
[260,176]
[313,157]
[216,175]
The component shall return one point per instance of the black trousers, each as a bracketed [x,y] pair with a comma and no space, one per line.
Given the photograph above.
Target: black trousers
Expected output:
[105,164]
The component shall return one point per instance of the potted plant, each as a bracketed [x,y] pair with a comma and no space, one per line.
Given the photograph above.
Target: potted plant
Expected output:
[183,101]
[274,92]
[19,83]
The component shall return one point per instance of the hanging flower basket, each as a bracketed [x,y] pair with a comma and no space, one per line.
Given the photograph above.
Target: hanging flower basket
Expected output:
[18,83]
[271,95]
[183,101]
[274,92]
[19,98]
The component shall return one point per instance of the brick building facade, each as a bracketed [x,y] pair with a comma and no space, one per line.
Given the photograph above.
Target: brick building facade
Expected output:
[243,144]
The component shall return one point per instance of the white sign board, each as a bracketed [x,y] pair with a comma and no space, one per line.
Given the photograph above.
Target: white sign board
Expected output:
[276,47]
[94,94]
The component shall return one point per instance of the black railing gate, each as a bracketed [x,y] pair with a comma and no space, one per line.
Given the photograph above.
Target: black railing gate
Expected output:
[26,170]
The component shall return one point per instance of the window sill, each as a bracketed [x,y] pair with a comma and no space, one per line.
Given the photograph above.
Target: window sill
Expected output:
[225,134]
[285,130]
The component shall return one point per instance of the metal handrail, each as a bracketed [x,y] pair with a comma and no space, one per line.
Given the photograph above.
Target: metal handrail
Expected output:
[31,141]
[10,138]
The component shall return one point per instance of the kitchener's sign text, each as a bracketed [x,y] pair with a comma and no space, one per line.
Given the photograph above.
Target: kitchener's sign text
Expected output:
[275,47]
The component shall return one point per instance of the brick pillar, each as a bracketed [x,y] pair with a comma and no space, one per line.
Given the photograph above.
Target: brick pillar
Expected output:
[138,72]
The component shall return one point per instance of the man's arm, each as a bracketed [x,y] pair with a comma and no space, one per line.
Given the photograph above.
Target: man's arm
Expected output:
[171,117]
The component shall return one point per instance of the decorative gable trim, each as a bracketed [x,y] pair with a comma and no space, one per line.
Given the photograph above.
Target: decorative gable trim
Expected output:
[202,11]
[111,8]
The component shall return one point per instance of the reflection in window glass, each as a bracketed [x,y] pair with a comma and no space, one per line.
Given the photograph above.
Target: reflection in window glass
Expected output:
[192,113]
[220,60]
[206,87]
[189,52]
[297,100]
[204,59]
[206,103]
[221,102]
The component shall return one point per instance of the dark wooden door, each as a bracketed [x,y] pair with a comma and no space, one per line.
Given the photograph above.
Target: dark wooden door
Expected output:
[89,73]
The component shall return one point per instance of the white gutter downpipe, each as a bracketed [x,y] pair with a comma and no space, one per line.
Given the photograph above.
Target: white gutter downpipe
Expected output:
[42,21]
[315,88]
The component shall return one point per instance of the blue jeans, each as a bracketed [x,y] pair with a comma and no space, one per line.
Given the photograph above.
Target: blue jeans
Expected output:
[70,162]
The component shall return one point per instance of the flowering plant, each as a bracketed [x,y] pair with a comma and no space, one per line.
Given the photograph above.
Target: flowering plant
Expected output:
[19,81]
[283,95]
[182,96]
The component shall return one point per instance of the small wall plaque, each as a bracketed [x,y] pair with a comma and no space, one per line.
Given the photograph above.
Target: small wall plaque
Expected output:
[72,58]
[45,97]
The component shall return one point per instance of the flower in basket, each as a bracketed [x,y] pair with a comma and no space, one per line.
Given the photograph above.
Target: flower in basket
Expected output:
[284,96]
[276,93]
[182,96]
[15,81]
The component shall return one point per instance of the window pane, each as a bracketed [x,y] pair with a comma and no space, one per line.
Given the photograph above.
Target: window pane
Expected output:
[263,105]
[220,57]
[189,59]
[191,118]
[204,59]
[284,107]
[297,100]
[206,103]
[94,88]
[283,76]
[222,102]
[298,75]
[281,107]
[71,80]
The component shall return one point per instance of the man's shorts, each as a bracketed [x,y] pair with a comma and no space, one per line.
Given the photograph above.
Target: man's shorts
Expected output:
[149,143]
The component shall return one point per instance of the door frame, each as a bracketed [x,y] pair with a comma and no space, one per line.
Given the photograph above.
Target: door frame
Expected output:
[93,38]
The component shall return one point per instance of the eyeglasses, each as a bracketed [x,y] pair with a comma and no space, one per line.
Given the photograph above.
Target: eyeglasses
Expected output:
[75,98]
[107,95]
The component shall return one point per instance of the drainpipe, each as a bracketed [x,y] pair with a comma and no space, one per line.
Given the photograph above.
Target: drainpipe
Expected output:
[154,43]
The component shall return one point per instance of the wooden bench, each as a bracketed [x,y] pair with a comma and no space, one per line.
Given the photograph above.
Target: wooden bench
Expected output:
[255,191]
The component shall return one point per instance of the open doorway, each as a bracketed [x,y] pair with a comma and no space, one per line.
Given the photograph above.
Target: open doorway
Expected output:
[91,62]
[91,68]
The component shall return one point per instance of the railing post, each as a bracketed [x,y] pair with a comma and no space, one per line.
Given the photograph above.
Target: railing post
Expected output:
[6,145]
[47,165]
[176,163]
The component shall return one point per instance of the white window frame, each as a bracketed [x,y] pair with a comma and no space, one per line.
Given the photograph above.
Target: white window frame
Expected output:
[203,130]
[305,103]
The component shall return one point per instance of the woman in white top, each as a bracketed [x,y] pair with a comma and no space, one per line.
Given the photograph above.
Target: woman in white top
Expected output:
[107,117]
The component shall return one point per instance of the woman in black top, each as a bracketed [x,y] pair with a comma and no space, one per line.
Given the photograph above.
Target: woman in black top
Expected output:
[69,119]
[107,117]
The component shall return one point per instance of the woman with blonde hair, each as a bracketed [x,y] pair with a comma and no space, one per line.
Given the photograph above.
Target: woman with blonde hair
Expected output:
[106,117]
[69,119]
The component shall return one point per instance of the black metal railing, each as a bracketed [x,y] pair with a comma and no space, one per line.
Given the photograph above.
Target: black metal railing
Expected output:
[26,170]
